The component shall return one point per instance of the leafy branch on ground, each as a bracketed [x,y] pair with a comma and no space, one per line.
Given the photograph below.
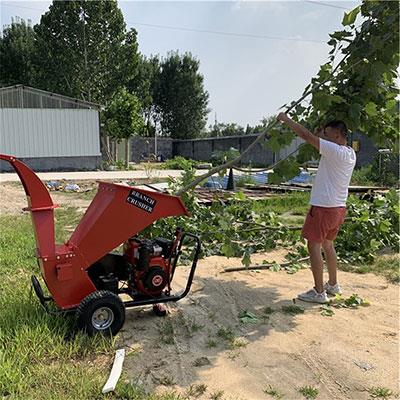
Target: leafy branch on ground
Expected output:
[354,301]
[369,227]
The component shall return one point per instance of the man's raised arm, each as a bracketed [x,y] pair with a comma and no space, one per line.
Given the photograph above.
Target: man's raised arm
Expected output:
[300,130]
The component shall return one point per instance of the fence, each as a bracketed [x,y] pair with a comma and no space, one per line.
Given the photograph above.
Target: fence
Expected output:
[202,149]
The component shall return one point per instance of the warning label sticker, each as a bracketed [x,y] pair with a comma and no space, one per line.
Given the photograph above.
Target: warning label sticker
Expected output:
[142,201]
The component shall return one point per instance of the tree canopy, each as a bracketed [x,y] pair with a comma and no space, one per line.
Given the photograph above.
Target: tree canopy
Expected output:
[16,49]
[180,96]
[83,49]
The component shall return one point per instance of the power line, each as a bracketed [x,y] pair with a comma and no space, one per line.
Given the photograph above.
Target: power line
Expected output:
[28,8]
[224,33]
[325,4]
[236,34]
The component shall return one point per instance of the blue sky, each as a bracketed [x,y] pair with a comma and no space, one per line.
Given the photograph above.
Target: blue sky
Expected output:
[247,77]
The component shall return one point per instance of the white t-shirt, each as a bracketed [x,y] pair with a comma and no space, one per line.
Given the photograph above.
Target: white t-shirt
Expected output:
[331,184]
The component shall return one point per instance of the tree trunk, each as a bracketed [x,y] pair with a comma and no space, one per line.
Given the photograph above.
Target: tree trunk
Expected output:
[127,153]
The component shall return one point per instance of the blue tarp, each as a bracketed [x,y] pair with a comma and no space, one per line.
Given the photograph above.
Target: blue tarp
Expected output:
[259,178]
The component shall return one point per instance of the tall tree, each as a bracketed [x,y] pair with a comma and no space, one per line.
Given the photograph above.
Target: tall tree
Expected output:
[181,97]
[16,49]
[83,49]
[123,118]
[144,85]
[357,84]
[225,129]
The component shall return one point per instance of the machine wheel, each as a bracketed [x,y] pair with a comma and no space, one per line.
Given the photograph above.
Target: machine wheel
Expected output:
[101,312]
[160,310]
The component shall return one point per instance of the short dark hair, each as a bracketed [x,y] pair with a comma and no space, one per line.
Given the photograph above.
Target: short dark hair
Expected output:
[339,125]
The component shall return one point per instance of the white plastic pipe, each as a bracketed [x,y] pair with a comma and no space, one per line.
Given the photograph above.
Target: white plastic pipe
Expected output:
[115,371]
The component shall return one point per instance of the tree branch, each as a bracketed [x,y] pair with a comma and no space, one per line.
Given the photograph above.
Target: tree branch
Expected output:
[260,137]
[265,266]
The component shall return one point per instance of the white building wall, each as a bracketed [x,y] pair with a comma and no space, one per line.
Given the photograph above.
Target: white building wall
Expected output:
[35,132]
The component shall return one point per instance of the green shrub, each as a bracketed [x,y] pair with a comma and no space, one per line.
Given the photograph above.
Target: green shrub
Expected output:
[179,162]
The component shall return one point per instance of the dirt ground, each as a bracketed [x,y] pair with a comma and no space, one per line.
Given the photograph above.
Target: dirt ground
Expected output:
[13,199]
[342,356]
[203,341]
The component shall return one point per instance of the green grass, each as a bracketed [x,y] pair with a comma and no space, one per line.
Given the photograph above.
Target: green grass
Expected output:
[226,334]
[363,177]
[380,393]
[218,395]
[386,265]
[293,309]
[296,203]
[41,357]
[309,392]
[196,390]
[273,392]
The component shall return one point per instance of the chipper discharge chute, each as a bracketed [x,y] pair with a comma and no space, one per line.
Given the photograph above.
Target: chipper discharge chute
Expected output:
[84,276]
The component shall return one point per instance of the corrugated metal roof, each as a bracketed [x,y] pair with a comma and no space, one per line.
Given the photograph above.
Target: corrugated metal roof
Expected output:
[21,96]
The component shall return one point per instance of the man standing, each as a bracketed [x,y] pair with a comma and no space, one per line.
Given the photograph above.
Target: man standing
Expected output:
[328,202]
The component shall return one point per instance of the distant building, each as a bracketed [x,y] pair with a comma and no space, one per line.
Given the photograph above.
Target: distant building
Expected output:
[48,131]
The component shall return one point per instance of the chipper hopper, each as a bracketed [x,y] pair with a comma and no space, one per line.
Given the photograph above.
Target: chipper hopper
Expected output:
[84,276]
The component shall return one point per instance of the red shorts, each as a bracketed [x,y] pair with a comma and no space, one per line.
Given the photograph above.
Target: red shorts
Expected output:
[323,223]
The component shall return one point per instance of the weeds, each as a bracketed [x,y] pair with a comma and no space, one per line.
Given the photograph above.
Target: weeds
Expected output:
[380,392]
[196,390]
[387,266]
[292,309]
[238,343]
[226,334]
[167,381]
[166,329]
[268,310]
[217,395]
[273,392]
[211,343]
[309,392]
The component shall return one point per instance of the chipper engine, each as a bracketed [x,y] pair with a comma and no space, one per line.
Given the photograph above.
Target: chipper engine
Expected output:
[84,275]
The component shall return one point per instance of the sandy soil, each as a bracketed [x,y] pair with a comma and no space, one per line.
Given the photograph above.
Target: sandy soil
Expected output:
[342,356]
[13,199]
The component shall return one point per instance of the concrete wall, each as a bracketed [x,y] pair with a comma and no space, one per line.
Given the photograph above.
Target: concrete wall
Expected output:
[56,163]
[145,146]
[202,149]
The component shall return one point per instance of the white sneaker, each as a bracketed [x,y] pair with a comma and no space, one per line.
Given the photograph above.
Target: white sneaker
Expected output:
[313,296]
[333,290]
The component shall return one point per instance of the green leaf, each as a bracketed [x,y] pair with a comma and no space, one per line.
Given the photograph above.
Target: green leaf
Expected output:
[247,317]
[274,178]
[371,110]
[273,141]
[327,311]
[227,250]
[246,260]
[350,17]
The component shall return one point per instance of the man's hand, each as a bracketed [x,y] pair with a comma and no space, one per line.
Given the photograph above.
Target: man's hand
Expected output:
[300,130]
[282,117]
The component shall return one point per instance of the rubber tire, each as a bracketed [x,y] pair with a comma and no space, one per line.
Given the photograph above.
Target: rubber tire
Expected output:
[95,300]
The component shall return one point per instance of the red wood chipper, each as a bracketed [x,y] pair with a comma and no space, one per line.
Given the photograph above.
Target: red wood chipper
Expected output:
[84,276]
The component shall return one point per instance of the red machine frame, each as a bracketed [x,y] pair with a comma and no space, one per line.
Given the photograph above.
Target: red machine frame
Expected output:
[116,213]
